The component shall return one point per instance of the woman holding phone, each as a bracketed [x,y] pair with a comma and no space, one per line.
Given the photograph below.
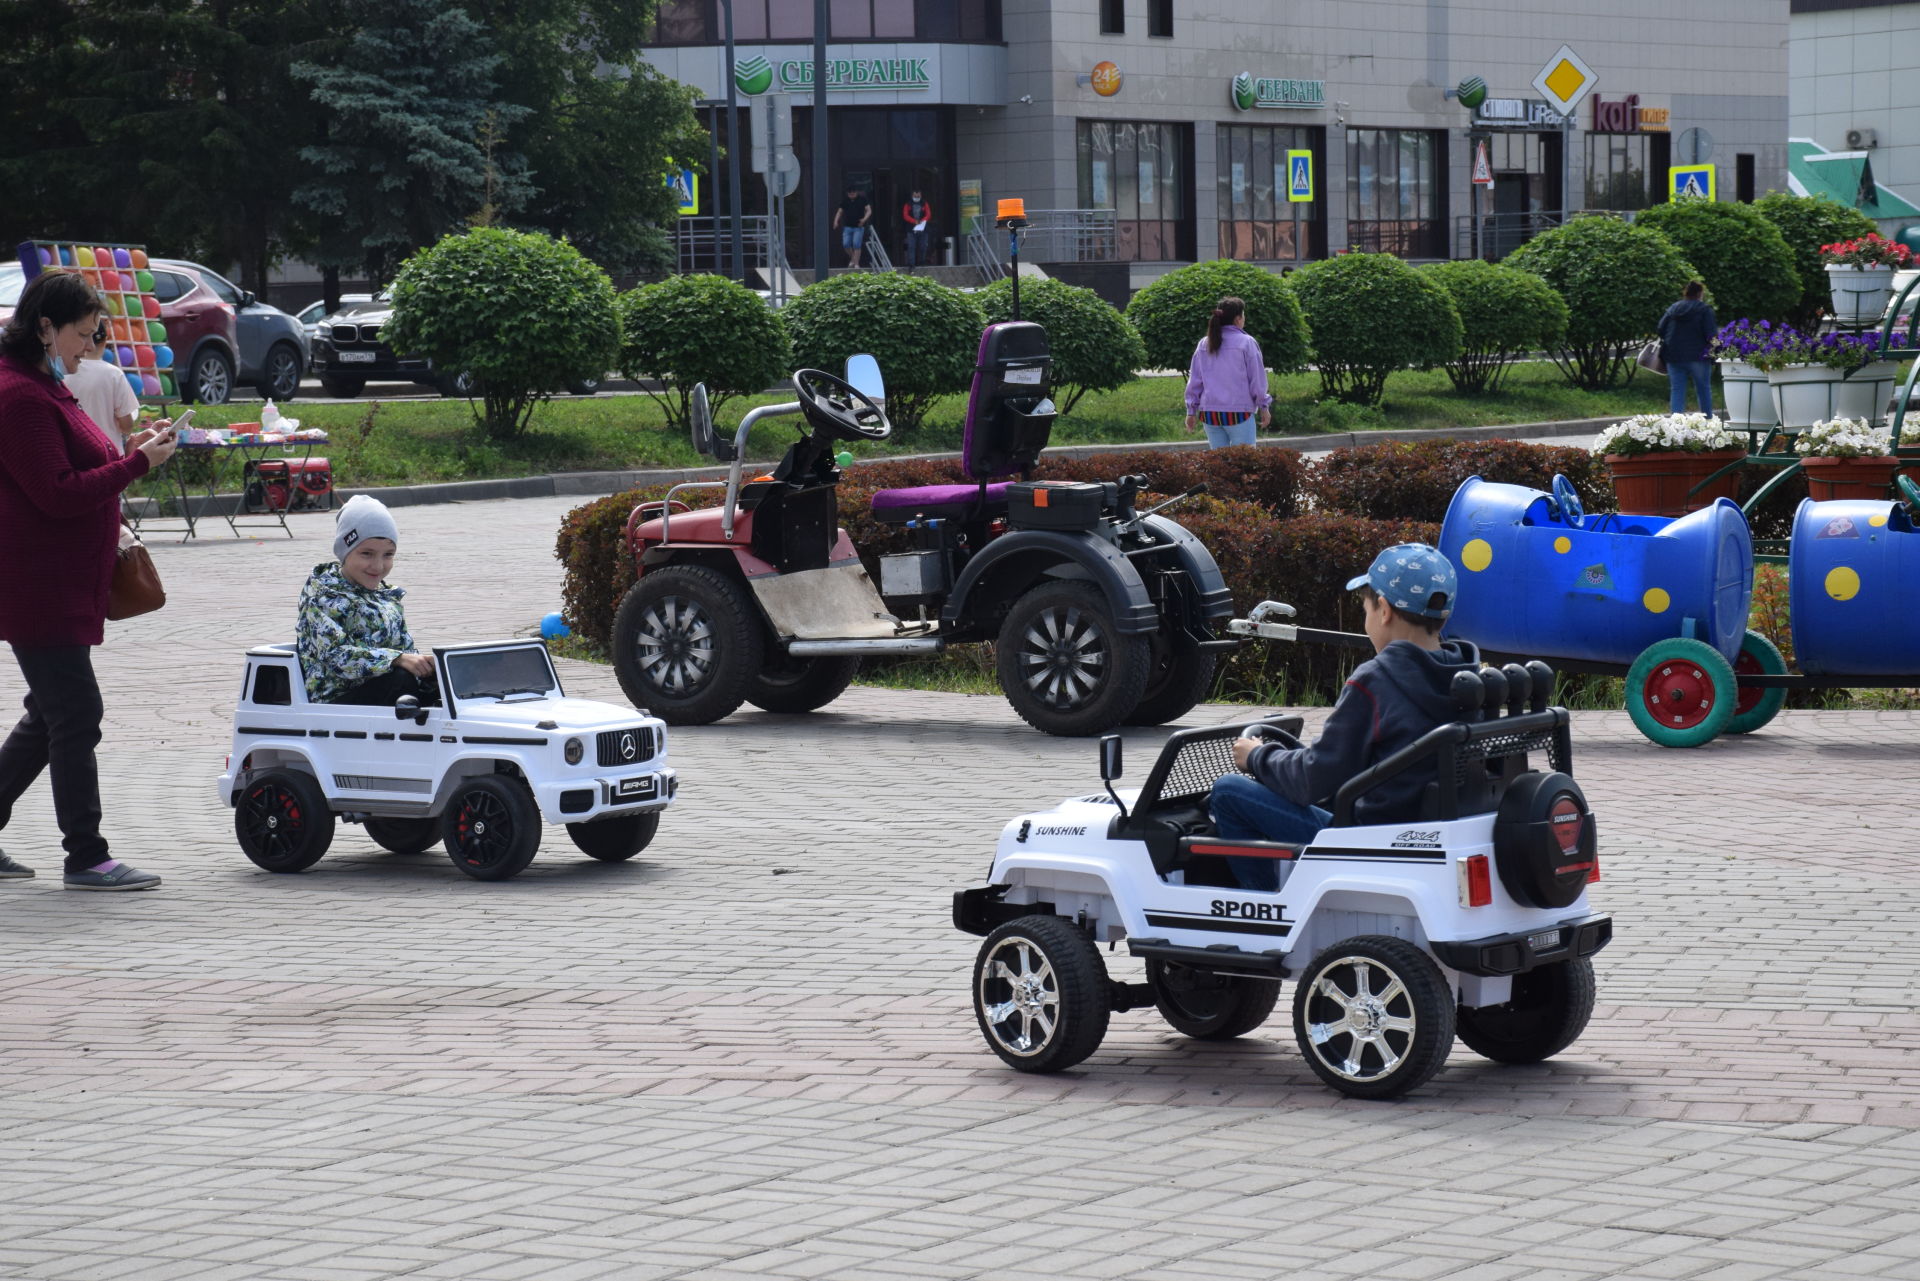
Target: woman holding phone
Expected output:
[60,483]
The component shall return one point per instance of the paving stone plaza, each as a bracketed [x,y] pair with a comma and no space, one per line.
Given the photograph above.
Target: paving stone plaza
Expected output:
[750,1053]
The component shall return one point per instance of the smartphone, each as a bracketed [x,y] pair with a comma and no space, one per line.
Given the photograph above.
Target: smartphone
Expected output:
[180,423]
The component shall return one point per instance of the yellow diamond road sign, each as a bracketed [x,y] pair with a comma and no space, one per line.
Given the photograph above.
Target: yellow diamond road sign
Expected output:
[1564,81]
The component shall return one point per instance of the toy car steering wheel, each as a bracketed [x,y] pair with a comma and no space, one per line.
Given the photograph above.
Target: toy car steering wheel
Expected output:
[1270,733]
[838,408]
[1567,500]
[1910,492]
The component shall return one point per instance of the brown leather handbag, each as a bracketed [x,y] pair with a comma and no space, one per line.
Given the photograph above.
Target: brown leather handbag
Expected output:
[136,588]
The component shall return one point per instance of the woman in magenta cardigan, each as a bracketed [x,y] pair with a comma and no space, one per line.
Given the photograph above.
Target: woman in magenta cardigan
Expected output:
[1227,382]
[60,483]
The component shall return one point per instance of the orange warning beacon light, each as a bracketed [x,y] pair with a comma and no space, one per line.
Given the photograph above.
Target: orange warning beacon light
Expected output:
[1015,208]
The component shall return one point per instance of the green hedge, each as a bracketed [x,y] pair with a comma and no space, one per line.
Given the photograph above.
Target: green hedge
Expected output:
[1172,313]
[923,334]
[1368,315]
[701,329]
[1741,257]
[1504,314]
[1616,279]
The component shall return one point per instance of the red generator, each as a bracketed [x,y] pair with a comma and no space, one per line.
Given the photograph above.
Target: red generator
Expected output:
[288,484]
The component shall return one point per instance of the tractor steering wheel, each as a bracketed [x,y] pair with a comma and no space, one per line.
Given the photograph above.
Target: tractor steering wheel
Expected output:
[1567,500]
[838,408]
[1910,492]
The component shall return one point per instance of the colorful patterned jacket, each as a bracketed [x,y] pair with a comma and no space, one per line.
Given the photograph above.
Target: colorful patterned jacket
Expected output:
[347,634]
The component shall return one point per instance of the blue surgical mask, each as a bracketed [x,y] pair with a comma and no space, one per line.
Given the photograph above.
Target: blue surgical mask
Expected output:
[56,366]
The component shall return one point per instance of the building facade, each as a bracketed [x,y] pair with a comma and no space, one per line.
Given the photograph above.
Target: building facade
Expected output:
[1156,132]
[1852,96]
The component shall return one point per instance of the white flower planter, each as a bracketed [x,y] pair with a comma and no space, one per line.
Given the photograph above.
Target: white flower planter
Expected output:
[1749,399]
[1806,394]
[1859,294]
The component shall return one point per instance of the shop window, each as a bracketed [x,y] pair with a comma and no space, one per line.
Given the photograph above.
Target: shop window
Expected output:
[1743,179]
[1140,169]
[1397,192]
[1620,175]
[1160,17]
[1257,221]
[1113,17]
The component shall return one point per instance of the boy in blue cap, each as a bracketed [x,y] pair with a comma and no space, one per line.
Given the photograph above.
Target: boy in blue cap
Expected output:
[1390,700]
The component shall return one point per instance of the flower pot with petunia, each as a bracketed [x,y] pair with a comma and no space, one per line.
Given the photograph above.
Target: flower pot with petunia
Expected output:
[1656,460]
[1846,458]
[1820,377]
[1860,276]
[1744,392]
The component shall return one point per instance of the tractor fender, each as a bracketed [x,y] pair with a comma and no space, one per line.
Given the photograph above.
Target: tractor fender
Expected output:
[1210,593]
[1006,567]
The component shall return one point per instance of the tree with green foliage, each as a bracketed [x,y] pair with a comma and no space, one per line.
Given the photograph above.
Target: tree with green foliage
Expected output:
[1370,314]
[923,334]
[1094,348]
[1806,223]
[524,313]
[1741,257]
[1616,279]
[1504,314]
[1171,313]
[688,330]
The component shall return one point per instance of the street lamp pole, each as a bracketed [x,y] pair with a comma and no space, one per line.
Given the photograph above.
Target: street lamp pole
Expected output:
[822,193]
[733,153]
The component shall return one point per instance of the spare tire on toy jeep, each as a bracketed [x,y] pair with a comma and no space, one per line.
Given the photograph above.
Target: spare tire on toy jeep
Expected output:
[1544,841]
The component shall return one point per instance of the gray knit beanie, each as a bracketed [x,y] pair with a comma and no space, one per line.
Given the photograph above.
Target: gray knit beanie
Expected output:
[362,518]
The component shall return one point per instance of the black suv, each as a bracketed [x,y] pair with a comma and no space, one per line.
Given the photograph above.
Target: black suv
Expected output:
[348,353]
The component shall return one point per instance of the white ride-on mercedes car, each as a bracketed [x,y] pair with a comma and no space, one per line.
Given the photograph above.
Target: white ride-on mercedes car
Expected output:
[505,752]
[1472,921]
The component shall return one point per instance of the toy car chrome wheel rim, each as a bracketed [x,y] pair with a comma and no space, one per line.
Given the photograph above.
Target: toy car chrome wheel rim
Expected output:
[485,830]
[674,644]
[1064,656]
[1020,997]
[1360,1033]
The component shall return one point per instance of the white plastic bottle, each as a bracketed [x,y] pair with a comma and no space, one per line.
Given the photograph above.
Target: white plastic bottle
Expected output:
[269,419]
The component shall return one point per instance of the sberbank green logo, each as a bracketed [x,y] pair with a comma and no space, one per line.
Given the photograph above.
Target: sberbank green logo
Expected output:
[1243,95]
[755,75]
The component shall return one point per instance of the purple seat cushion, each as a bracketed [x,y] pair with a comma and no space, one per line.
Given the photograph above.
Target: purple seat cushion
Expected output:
[925,496]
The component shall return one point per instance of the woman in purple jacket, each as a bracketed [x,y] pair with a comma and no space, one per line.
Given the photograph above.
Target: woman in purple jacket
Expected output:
[1227,382]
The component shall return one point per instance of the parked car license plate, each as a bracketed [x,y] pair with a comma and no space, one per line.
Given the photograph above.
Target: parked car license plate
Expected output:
[357,357]
[642,786]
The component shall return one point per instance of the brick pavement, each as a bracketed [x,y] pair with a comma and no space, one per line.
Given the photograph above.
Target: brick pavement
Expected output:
[749,1053]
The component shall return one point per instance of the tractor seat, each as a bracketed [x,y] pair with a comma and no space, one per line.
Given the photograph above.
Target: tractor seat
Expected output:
[946,502]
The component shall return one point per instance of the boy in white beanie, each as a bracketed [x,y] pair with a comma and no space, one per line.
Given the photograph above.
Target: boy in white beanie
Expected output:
[352,633]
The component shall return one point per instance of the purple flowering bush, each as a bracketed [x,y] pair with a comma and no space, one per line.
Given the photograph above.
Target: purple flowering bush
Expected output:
[1767,346]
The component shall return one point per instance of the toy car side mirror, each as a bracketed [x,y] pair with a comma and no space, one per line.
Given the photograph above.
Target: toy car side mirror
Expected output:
[407,708]
[863,375]
[1110,758]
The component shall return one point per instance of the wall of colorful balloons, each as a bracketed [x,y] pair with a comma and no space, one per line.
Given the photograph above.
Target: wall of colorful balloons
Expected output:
[136,336]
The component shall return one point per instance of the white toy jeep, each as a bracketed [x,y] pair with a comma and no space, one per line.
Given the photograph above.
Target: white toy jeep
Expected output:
[505,752]
[1472,921]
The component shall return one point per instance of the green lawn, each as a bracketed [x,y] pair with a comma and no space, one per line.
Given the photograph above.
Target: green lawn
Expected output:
[421,441]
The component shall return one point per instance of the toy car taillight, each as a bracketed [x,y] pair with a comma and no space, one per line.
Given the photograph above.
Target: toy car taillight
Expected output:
[1476,881]
[1593,873]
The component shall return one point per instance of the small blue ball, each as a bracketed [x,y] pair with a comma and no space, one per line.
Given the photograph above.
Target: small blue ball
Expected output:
[552,627]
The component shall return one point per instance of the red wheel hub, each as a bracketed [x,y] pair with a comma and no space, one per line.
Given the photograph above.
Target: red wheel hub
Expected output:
[1680,695]
[1747,697]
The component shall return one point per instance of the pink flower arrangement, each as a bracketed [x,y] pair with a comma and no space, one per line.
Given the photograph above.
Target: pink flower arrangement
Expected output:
[1870,250]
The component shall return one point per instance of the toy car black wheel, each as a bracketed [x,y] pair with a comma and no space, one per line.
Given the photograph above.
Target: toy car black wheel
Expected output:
[1040,994]
[686,644]
[1753,708]
[282,821]
[1548,1011]
[615,840]
[1064,666]
[403,835]
[1180,674]
[795,685]
[491,827]
[1680,692]
[1373,1016]
[1207,1006]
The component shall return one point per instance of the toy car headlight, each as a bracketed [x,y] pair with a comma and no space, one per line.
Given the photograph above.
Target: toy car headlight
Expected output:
[575,749]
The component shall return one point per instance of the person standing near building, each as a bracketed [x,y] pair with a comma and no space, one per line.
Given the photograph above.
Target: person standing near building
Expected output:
[851,220]
[1686,333]
[104,392]
[1227,381]
[917,213]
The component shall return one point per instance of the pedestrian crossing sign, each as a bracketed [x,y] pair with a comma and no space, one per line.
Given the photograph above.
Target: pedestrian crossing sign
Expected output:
[1299,176]
[686,186]
[1690,182]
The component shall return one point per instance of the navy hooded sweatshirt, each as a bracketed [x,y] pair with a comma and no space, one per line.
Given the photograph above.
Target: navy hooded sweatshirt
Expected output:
[1388,702]
[1686,331]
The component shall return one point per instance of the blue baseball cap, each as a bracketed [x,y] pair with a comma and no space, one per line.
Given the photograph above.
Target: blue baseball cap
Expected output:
[1413,577]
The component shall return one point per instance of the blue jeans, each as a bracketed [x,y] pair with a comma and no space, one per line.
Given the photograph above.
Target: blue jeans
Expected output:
[1697,372]
[1245,809]
[851,238]
[917,254]
[1240,433]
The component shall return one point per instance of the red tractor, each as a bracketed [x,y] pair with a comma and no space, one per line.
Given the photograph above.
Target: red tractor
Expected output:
[1100,614]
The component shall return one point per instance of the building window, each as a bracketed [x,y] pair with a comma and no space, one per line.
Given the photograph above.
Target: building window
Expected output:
[1160,17]
[1141,170]
[1627,171]
[1113,17]
[1257,221]
[1397,192]
[1743,177]
[700,22]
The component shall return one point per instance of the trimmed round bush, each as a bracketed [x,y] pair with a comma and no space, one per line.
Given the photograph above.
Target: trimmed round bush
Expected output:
[1742,258]
[1616,279]
[1172,312]
[923,334]
[1806,223]
[524,313]
[701,329]
[1094,347]
[1370,314]
[1504,313]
